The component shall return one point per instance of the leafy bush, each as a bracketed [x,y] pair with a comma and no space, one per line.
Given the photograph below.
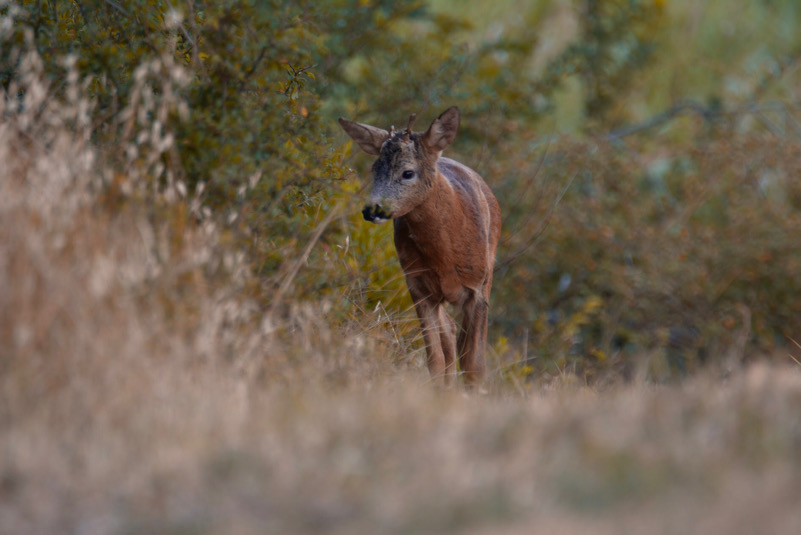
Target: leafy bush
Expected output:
[623,247]
[681,257]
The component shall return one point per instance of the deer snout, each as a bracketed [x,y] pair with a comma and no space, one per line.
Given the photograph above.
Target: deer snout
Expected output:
[375,214]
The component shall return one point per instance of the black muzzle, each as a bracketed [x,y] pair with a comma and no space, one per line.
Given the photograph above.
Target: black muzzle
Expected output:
[375,214]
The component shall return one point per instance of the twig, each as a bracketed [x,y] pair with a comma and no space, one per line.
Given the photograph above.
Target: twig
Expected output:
[522,194]
[293,271]
[187,36]
[674,111]
[391,326]
[118,7]
[791,356]
[709,114]
[82,10]
[253,67]
[540,230]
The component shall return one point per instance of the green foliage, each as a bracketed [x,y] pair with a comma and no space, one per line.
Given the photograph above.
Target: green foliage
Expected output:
[684,254]
[618,37]
[614,247]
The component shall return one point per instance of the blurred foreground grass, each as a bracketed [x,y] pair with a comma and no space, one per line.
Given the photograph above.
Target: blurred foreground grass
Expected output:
[175,447]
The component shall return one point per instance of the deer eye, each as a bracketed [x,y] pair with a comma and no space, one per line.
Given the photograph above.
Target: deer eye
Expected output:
[408,174]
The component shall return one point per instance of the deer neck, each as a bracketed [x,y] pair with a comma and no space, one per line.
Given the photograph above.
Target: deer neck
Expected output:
[428,224]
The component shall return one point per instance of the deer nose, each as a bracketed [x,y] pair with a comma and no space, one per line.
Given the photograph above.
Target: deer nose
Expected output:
[375,214]
[367,212]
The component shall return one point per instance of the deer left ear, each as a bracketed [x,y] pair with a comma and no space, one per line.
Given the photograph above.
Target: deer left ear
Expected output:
[443,130]
[369,138]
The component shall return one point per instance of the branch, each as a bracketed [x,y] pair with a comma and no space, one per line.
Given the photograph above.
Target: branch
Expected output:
[671,113]
[118,7]
[521,195]
[540,230]
[253,67]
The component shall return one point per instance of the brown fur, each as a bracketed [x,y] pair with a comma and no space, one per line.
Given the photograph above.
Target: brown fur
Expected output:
[447,226]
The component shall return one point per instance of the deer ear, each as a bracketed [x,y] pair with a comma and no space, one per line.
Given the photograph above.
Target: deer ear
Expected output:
[443,130]
[369,138]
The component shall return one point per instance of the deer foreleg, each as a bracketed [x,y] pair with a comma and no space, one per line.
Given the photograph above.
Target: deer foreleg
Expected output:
[430,324]
[447,338]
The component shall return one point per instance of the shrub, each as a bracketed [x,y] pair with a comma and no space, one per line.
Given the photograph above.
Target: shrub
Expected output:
[617,248]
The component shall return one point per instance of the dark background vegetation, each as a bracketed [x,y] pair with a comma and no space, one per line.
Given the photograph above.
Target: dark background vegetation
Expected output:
[645,155]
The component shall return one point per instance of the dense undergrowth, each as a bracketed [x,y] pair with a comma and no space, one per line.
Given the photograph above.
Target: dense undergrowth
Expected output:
[199,334]
[654,248]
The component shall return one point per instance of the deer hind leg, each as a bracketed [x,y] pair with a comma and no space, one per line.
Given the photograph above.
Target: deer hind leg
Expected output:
[472,339]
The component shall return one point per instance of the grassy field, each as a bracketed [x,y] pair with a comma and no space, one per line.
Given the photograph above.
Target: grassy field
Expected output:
[167,444]
[152,382]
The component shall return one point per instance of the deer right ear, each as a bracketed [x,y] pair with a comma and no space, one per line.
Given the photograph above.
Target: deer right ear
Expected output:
[369,138]
[443,130]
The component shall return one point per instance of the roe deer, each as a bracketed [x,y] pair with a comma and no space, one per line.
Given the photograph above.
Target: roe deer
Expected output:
[447,225]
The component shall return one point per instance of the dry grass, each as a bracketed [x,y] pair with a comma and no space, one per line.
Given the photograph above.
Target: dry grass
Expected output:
[140,394]
[183,447]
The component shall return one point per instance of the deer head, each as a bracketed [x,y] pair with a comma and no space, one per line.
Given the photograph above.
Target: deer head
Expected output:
[406,163]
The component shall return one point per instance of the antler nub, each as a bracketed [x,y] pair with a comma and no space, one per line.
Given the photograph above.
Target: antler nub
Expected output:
[408,131]
[392,130]
[412,117]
